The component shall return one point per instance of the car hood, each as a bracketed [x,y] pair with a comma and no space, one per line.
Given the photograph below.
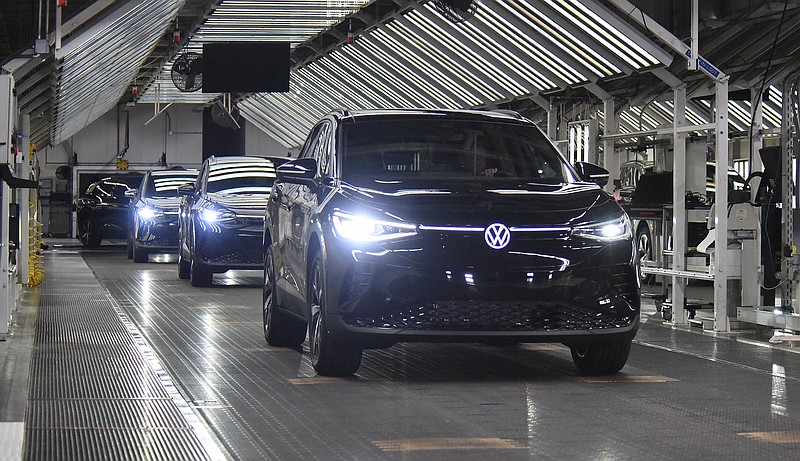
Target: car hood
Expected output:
[242,204]
[479,203]
[163,203]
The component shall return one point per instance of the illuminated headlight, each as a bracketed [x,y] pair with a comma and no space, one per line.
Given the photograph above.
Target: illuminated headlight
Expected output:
[618,229]
[147,213]
[211,215]
[359,228]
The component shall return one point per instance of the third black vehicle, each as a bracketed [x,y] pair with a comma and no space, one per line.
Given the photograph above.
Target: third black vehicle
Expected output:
[102,211]
[430,225]
[222,217]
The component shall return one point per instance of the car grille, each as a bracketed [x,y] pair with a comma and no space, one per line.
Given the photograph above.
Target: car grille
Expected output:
[617,305]
[494,316]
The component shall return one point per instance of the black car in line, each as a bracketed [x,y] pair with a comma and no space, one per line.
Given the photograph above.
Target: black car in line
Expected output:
[435,225]
[221,219]
[154,212]
[102,210]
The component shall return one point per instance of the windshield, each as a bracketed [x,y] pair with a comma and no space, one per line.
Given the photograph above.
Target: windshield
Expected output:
[440,147]
[241,178]
[164,185]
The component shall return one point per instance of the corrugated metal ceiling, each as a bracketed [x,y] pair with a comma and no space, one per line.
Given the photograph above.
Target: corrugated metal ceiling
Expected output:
[518,54]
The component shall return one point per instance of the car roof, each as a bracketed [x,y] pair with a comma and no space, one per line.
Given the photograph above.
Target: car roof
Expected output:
[183,172]
[237,159]
[345,114]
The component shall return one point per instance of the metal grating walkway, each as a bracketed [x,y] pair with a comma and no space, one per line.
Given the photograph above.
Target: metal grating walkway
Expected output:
[93,394]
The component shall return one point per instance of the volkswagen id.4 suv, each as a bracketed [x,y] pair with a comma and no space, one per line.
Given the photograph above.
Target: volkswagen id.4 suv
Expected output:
[435,225]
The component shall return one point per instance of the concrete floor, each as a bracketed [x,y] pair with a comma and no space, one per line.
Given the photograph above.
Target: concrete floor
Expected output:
[129,362]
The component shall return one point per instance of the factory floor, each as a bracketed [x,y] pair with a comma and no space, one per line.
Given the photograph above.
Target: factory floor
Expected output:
[112,360]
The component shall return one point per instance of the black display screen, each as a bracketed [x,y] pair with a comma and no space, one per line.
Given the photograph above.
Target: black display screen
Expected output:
[246,67]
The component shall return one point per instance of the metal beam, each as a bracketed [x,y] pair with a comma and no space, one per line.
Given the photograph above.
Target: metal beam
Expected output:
[638,16]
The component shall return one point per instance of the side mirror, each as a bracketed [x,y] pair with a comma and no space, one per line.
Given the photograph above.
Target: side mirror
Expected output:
[590,172]
[131,193]
[301,171]
[186,189]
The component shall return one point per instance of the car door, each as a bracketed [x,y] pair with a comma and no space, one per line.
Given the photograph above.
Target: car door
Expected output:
[305,204]
[188,210]
[289,264]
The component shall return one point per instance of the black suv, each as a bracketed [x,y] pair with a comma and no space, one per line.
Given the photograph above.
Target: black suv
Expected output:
[432,225]
[102,211]
[154,212]
[221,219]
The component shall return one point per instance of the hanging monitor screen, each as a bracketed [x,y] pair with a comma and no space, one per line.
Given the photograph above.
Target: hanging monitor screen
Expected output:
[246,67]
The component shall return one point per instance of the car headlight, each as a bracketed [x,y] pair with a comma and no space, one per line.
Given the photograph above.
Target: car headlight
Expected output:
[211,215]
[616,229]
[363,229]
[147,212]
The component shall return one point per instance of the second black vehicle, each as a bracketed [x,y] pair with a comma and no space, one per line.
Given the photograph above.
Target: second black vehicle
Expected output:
[222,217]
[428,225]
[154,212]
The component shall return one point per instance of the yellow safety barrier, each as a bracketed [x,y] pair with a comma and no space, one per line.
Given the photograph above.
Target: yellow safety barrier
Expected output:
[35,261]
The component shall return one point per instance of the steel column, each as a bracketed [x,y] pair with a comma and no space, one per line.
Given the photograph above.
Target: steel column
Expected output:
[723,260]
[679,226]
[611,125]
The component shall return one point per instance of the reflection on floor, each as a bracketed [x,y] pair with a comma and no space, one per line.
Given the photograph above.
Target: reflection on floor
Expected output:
[130,362]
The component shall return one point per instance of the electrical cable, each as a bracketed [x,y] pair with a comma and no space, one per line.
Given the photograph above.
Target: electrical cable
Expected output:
[764,78]
[35,261]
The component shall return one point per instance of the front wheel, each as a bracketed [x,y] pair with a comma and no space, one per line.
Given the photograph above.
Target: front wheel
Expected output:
[139,254]
[280,329]
[330,356]
[184,266]
[199,275]
[601,360]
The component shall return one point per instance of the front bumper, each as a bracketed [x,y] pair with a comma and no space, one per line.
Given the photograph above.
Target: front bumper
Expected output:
[160,233]
[380,298]
[233,245]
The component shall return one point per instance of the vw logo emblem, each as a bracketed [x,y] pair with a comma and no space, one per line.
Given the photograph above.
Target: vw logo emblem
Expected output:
[497,236]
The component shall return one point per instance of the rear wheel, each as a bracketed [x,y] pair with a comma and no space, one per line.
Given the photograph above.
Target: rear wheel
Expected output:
[280,329]
[88,235]
[601,360]
[644,251]
[330,356]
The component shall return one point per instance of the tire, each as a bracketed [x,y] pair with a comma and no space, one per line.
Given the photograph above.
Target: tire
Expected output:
[601,360]
[199,275]
[130,247]
[280,329]
[644,251]
[139,254]
[329,355]
[88,235]
[184,266]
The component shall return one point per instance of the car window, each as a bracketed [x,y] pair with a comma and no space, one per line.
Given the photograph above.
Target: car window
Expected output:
[166,185]
[447,148]
[241,178]
[316,147]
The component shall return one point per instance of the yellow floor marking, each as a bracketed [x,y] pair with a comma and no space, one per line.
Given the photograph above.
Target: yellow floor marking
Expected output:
[626,379]
[447,444]
[774,437]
